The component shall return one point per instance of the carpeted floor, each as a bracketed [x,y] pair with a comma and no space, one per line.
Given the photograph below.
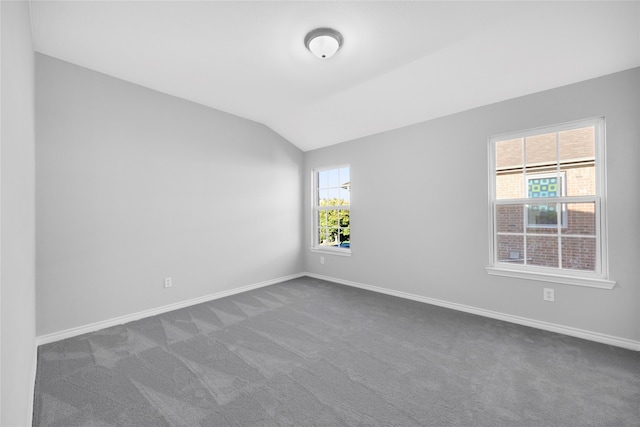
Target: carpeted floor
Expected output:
[308,352]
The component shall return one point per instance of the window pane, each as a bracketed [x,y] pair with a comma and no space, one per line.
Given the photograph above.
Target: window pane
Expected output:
[542,251]
[345,238]
[332,218]
[581,218]
[323,197]
[577,144]
[323,235]
[541,150]
[509,173]
[579,253]
[542,218]
[510,185]
[510,218]
[345,176]
[332,237]
[323,179]
[329,197]
[322,218]
[581,179]
[327,236]
[344,218]
[577,157]
[334,178]
[344,196]
[510,249]
[544,185]
[509,154]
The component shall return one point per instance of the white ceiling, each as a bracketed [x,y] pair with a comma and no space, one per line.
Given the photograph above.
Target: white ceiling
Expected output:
[401,62]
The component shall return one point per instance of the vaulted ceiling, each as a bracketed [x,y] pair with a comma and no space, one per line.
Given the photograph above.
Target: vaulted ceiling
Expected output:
[401,62]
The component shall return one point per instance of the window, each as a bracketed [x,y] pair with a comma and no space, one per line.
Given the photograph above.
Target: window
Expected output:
[547,204]
[331,210]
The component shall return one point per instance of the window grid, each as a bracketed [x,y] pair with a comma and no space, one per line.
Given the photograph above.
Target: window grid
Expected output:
[530,234]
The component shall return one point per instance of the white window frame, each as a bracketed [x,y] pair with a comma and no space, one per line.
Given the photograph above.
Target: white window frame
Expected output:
[598,278]
[315,244]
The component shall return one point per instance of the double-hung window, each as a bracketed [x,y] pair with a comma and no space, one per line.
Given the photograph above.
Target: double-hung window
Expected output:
[547,204]
[331,228]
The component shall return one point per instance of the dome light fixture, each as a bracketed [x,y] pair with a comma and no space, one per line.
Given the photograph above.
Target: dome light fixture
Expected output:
[323,42]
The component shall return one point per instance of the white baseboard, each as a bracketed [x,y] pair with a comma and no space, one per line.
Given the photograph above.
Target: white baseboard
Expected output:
[68,333]
[552,327]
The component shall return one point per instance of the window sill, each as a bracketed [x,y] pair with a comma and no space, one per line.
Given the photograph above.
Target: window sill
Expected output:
[330,251]
[590,282]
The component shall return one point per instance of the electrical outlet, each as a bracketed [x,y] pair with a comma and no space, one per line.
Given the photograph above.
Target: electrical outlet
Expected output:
[167,282]
[548,294]
[321,260]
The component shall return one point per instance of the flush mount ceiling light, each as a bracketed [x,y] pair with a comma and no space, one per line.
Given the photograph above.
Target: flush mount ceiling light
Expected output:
[323,42]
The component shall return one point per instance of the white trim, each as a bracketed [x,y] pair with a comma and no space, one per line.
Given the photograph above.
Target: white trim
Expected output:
[576,124]
[567,199]
[331,251]
[552,327]
[72,332]
[333,208]
[591,282]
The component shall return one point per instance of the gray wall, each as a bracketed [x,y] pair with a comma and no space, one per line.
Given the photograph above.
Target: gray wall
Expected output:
[420,217]
[17,213]
[134,186]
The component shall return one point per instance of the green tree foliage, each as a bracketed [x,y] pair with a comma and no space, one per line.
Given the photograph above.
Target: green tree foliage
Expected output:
[334,223]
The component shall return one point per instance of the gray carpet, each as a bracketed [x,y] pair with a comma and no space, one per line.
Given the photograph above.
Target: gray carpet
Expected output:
[309,352]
